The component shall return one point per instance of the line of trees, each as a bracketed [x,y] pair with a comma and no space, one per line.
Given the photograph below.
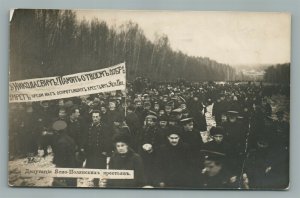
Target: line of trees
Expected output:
[53,42]
[278,73]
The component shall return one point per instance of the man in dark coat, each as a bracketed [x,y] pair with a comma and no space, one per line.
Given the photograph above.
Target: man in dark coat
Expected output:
[98,145]
[64,149]
[214,175]
[193,139]
[190,136]
[235,132]
[221,145]
[43,116]
[197,112]
[265,168]
[104,115]
[217,111]
[173,162]
[162,130]
[76,131]
[148,150]
[218,144]
[134,125]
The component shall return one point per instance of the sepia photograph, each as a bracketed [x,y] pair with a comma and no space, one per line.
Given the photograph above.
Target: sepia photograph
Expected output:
[149,99]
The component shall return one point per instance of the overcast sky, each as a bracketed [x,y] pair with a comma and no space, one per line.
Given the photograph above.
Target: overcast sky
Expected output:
[235,38]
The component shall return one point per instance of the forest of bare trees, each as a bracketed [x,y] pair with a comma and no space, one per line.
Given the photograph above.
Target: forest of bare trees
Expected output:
[278,73]
[53,42]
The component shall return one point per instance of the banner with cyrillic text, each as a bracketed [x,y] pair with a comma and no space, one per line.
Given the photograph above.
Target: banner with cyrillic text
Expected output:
[77,173]
[103,80]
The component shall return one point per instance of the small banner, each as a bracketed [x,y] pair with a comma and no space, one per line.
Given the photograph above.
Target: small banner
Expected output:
[104,80]
[77,173]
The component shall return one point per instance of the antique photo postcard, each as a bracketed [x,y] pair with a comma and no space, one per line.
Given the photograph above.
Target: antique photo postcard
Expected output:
[149,99]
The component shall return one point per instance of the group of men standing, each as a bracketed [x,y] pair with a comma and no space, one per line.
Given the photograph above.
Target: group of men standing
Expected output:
[160,131]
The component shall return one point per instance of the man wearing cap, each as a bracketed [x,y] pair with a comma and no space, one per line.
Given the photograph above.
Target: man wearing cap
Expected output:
[174,162]
[150,130]
[47,136]
[235,132]
[162,130]
[98,144]
[168,108]
[194,140]
[156,107]
[149,145]
[64,149]
[221,145]
[190,136]
[218,144]
[215,175]
[178,113]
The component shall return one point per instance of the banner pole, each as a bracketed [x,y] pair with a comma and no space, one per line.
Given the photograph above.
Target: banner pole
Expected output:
[125,89]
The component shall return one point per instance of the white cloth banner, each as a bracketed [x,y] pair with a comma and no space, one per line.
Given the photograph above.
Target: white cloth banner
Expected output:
[103,80]
[77,173]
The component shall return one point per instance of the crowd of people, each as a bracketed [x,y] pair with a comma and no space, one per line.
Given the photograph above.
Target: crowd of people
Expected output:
[159,130]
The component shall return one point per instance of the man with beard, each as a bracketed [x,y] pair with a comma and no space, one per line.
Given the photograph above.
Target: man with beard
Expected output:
[174,162]
[98,145]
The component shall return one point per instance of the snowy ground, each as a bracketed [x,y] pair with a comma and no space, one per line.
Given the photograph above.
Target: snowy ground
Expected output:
[277,102]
